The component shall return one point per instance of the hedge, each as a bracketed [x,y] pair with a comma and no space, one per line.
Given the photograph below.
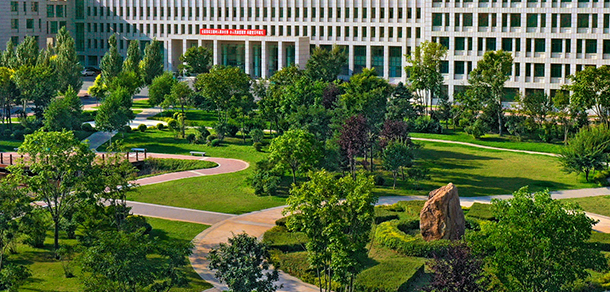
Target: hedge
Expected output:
[388,235]
[390,275]
[279,238]
[383,215]
[600,241]
[480,211]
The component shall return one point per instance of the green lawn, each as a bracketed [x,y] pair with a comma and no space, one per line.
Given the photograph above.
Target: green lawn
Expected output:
[598,205]
[481,172]
[141,103]
[48,275]
[226,193]
[193,117]
[492,140]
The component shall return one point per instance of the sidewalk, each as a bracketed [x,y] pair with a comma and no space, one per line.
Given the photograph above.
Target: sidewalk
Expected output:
[483,146]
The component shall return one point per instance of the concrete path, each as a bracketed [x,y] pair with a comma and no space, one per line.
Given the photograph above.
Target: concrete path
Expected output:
[98,138]
[178,214]
[483,146]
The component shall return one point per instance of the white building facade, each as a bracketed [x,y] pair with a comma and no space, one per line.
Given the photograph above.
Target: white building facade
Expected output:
[549,39]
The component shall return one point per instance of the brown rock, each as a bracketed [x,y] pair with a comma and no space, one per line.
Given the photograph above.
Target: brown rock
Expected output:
[442,216]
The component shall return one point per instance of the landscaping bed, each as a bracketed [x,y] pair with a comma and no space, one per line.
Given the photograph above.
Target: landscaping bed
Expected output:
[157,166]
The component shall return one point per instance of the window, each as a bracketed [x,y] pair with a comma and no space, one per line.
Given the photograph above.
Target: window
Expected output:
[515,20]
[467,19]
[583,21]
[483,19]
[490,44]
[591,46]
[14,23]
[568,45]
[80,9]
[444,67]
[29,24]
[59,11]
[51,11]
[532,20]
[444,41]
[555,71]
[15,40]
[437,19]
[459,67]
[35,7]
[606,47]
[539,45]
[507,44]
[14,6]
[460,44]
[538,70]
[556,45]
[53,27]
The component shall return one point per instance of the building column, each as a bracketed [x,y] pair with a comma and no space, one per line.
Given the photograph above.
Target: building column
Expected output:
[350,60]
[170,54]
[166,55]
[199,42]
[369,58]
[280,55]
[264,69]
[184,46]
[247,57]
[297,53]
[216,54]
[386,62]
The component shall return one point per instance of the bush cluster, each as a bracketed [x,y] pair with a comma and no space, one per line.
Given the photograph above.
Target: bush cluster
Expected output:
[388,235]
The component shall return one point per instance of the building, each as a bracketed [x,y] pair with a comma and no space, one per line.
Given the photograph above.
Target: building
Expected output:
[549,39]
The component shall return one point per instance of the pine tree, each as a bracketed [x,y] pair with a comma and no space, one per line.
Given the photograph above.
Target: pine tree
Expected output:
[27,52]
[67,66]
[152,64]
[134,57]
[9,59]
[112,62]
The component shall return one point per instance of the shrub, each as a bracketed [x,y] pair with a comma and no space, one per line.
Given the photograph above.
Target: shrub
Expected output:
[8,132]
[17,135]
[215,142]
[221,130]
[388,235]
[477,129]
[601,178]
[211,138]
[424,124]
[279,238]
[142,128]
[191,138]
[383,215]
[600,241]
[257,135]
[87,127]
[264,181]
[258,146]
[160,126]
[35,226]
[127,129]
[232,130]
[28,131]
[12,276]
[282,221]
[408,224]
[172,124]
[177,115]
[379,180]
[134,223]
[202,133]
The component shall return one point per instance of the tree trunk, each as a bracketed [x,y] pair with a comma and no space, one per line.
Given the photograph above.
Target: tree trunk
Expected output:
[183,122]
[294,177]
[500,117]
[394,174]
[56,233]
[587,175]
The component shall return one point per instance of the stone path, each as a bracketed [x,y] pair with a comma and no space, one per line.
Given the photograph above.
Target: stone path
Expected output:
[483,146]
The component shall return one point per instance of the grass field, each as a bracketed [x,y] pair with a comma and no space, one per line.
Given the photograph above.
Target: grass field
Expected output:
[193,117]
[598,205]
[481,172]
[141,103]
[492,140]
[48,275]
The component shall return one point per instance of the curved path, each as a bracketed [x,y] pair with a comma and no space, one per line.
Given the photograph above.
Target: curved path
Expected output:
[483,146]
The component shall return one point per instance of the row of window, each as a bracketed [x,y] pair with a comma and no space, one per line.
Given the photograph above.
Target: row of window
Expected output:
[33,7]
[58,11]
[587,46]
[280,12]
[563,20]
[29,24]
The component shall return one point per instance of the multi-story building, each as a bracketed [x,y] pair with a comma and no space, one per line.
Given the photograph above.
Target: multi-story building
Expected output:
[39,18]
[549,39]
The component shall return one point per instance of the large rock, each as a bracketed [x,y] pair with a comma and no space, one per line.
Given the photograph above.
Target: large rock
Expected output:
[442,216]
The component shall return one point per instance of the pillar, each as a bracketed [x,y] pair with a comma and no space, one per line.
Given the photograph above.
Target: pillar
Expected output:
[280,55]
[216,53]
[247,57]
[386,62]
[264,69]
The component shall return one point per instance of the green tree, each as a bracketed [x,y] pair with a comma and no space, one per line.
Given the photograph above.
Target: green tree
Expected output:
[112,62]
[297,150]
[325,64]
[195,61]
[64,113]
[36,84]
[8,58]
[366,94]
[128,80]
[242,265]
[133,261]
[400,106]
[66,64]
[537,244]
[132,62]
[489,76]
[396,156]
[99,89]
[587,151]
[591,90]
[270,103]
[26,53]
[151,65]
[60,165]
[14,204]
[115,111]
[336,216]
[8,94]
[224,87]
[160,87]
[424,69]
[181,95]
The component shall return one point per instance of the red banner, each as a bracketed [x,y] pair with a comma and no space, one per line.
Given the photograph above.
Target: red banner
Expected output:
[244,32]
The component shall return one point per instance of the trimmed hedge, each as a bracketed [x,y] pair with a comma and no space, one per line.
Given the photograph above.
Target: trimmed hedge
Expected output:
[279,238]
[388,235]
[600,241]
[398,275]
[383,215]
[480,211]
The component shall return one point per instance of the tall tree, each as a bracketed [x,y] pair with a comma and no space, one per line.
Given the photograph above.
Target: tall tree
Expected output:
[336,216]
[196,60]
[67,67]
[37,84]
[27,52]
[537,244]
[132,62]
[459,270]
[112,62]
[353,139]
[9,59]
[181,95]
[115,111]
[64,113]
[151,65]
[490,75]
[160,87]
[14,204]
[59,165]
[424,69]
[587,151]
[8,93]
[296,150]
[325,64]
[242,264]
[400,106]
[396,156]
[270,102]
[224,86]
[591,90]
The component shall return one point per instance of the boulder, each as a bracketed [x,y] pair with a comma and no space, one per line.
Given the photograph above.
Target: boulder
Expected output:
[442,216]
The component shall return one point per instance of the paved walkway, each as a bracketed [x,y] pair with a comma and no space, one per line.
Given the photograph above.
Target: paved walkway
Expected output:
[178,214]
[483,146]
